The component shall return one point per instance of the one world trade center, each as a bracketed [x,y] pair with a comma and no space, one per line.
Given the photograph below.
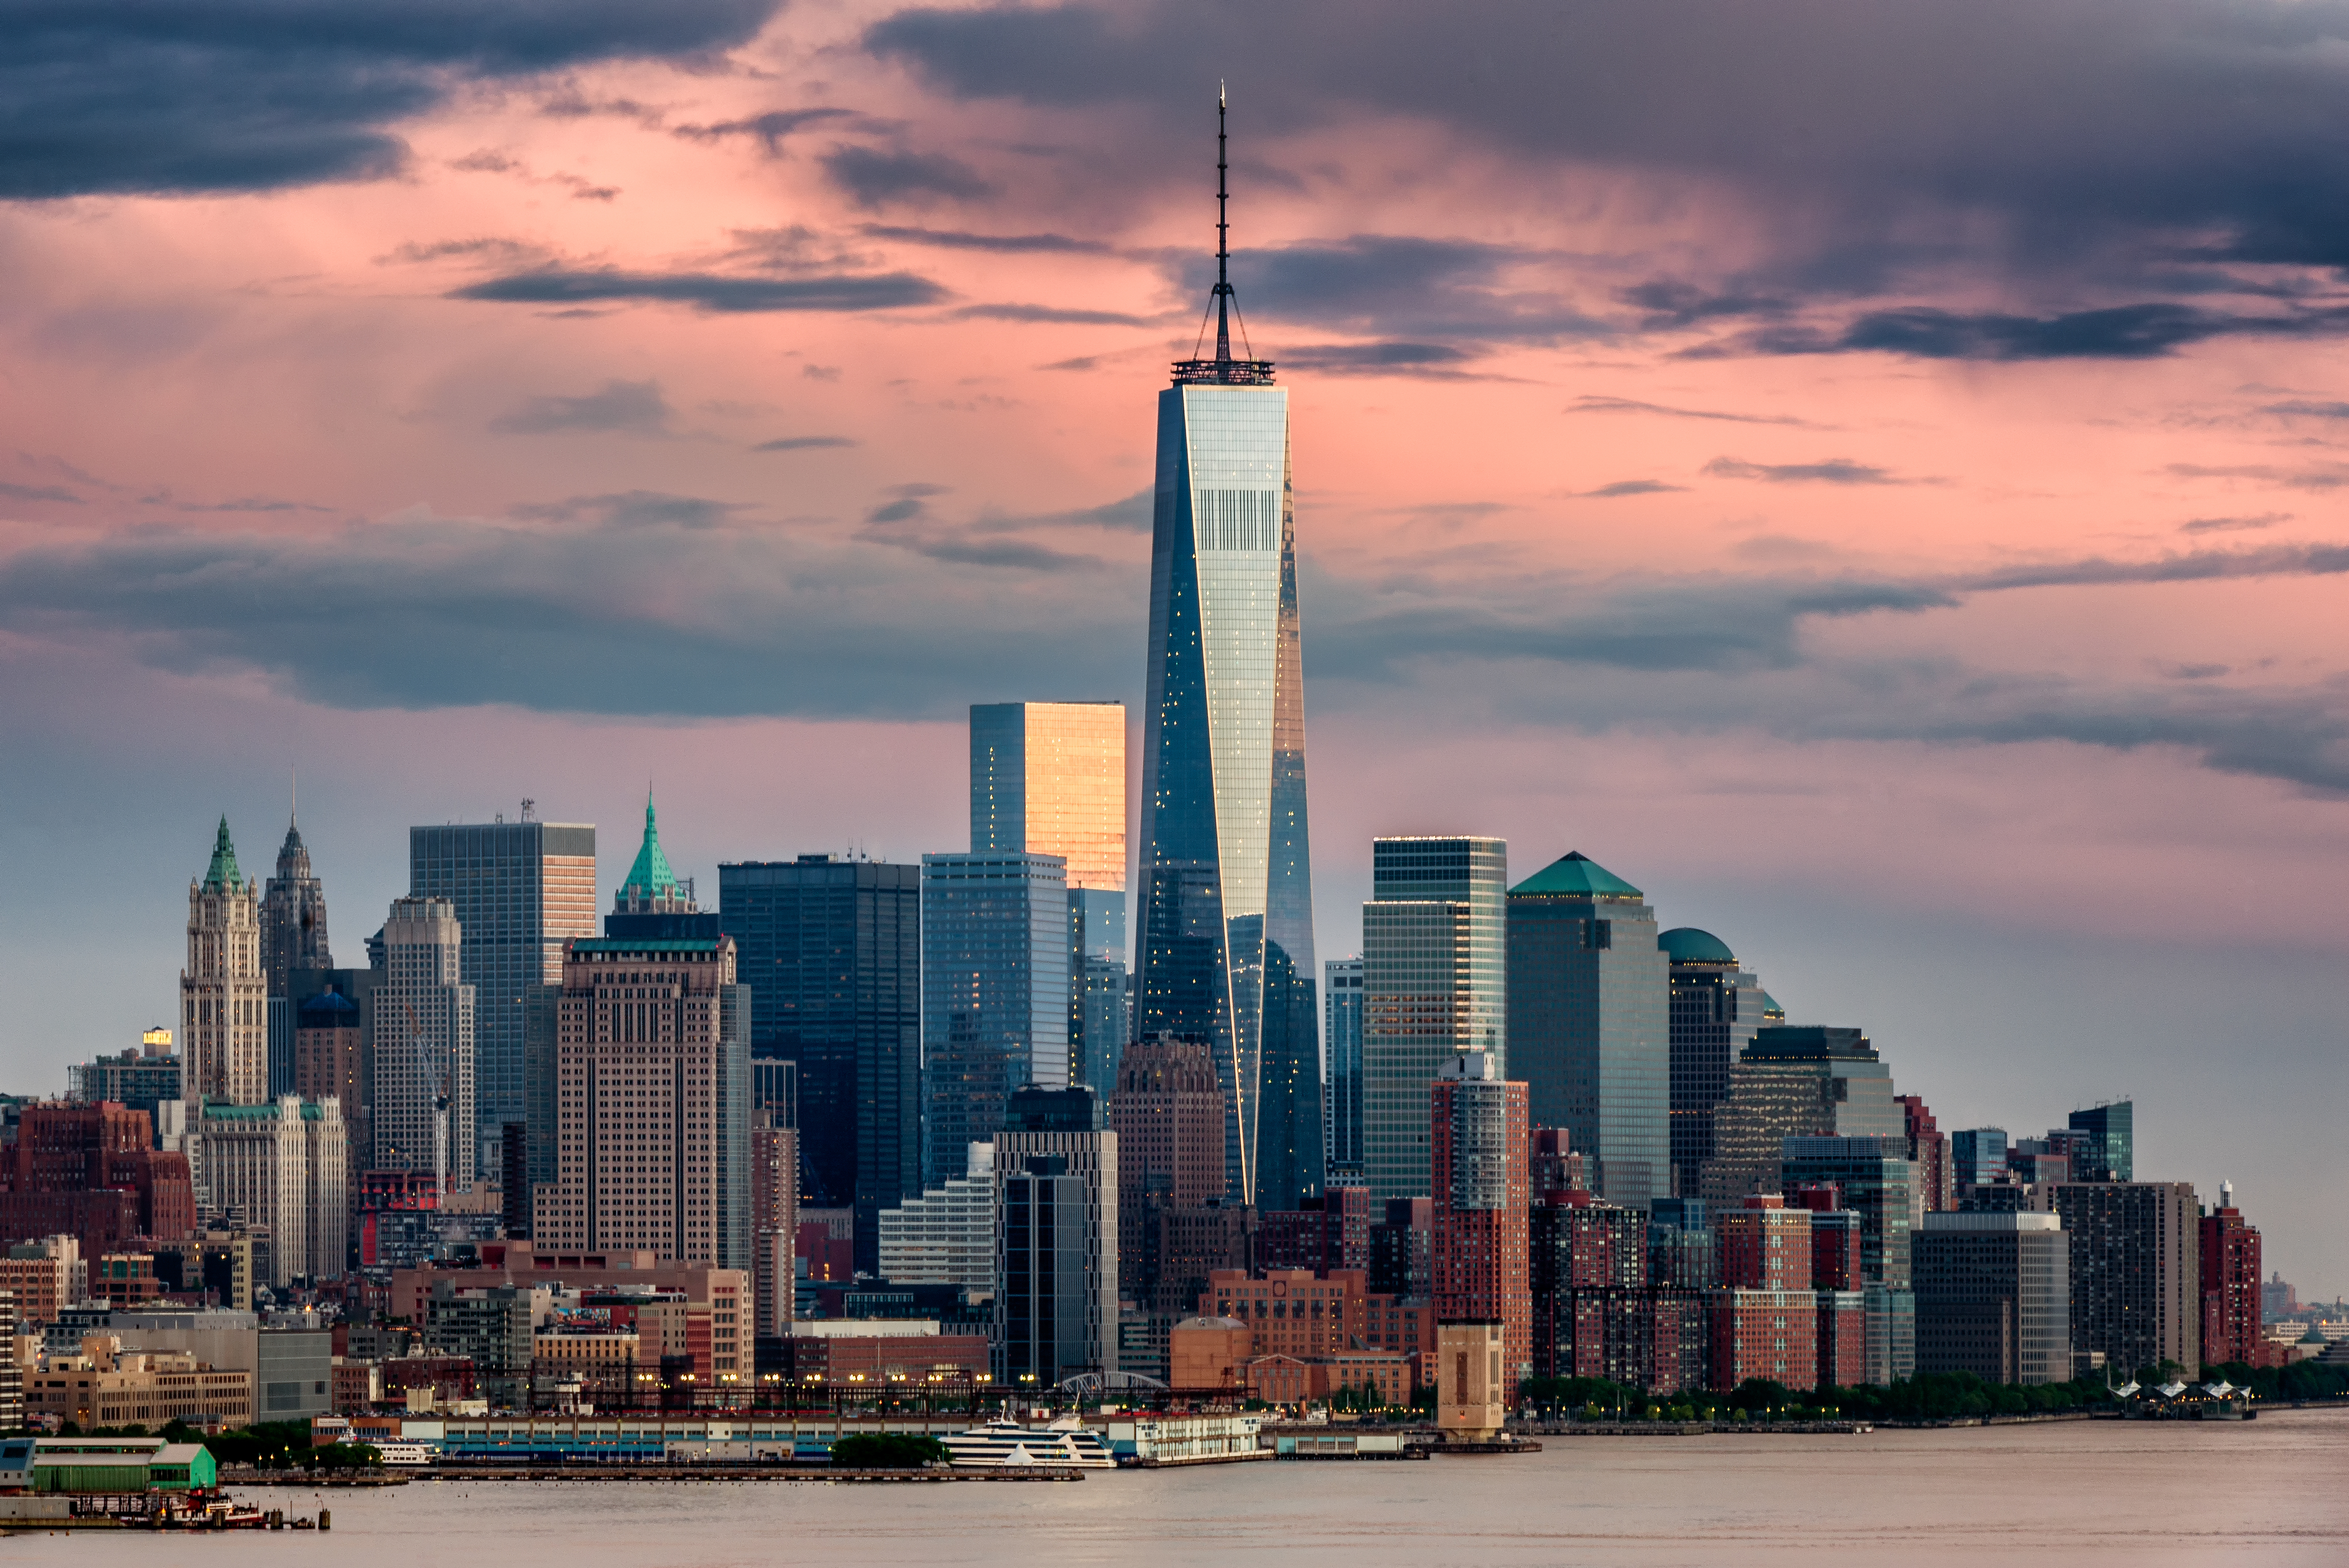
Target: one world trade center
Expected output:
[1225,878]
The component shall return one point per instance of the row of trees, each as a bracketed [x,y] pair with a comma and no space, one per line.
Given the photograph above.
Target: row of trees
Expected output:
[1929,1395]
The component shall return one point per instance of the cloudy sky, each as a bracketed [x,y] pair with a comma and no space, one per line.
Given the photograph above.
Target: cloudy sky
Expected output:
[1871,474]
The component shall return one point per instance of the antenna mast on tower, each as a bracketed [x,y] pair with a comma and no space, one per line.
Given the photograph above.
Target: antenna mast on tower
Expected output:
[1223,368]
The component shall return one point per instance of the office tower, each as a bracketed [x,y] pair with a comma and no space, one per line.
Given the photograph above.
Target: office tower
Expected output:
[1993,1296]
[2137,1272]
[2230,1255]
[1479,1176]
[1590,1032]
[1225,878]
[653,1085]
[224,990]
[331,1063]
[1168,1114]
[1049,778]
[832,951]
[1433,985]
[1874,1180]
[1796,1081]
[946,1236]
[517,890]
[293,916]
[283,1168]
[139,1079]
[427,1047]
[1056,1239]
[995,994]
[1929,1150]
[774,1217]
[1715,1008]
[1977,1156]
[1342,1006]
[1680,1245]
[2106,1149]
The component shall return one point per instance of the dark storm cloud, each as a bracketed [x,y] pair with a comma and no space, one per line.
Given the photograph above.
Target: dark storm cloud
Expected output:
[634,407]
[100,96]
[2233,525]
[1598,405]
[2076,119]
[873,177]
[643,603]
[716,292]
[1386,284]
[38,492]
[1049,313]
[2143,331]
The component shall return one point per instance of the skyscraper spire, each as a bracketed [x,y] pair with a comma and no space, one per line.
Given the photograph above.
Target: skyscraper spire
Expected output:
[1222,369]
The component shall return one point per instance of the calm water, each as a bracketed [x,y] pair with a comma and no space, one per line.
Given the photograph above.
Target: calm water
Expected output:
[2275,1490]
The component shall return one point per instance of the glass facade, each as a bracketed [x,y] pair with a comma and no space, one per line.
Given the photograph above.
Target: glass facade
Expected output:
[832,951]
[1715,1008]
[1341,990]
[2107,1152]
[995,995]
[1049,778]
[519,890]
[1589,1030]
[1435,983]
[1224,887]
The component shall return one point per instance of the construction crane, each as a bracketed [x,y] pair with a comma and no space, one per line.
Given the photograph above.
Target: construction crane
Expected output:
[427,1061]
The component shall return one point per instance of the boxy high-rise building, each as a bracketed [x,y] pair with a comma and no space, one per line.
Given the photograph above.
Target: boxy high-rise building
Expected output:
[2230,1255]
[1434,984]
[653,1086]
[518,890]
[1479,1146]
[1716,1006]
[1342,1009]
[2136,1272]
[1168,1114]
[1057,1240]
[832,951]
[1589,995]
[2106,1149]
[995,994]
[1993,1296]
[427,1032]
[1049,778]
[1796,1081]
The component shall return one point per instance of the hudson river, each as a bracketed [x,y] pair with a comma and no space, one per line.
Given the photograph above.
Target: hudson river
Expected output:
[2274,1490]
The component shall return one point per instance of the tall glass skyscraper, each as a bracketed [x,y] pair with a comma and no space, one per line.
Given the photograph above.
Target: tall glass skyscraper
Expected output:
[518,890]
[1049,778]
[995,995]
[1435,983]
[1225,885]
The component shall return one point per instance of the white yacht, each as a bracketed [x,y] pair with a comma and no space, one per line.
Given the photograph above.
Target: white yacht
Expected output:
[1067,1441]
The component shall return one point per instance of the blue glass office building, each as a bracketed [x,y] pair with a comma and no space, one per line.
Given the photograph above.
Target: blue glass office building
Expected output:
[1224,887]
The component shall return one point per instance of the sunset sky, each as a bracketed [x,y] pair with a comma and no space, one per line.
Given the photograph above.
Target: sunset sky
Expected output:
[1869,473]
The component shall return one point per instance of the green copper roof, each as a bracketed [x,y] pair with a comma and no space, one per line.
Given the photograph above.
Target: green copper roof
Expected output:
[1686,944]
[650,875]
[1576,875]
[1770,1008]
[222,872]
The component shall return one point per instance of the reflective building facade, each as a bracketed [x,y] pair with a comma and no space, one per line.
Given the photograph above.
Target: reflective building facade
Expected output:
[995,995]
[1342,987]
[1716,1008]
[1435,983]
[1589,1029]
[1225,891]
[1049,778]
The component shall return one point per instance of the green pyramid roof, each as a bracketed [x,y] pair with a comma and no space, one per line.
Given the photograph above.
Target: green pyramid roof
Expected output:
[222,872]
[1576,875]
[650,875]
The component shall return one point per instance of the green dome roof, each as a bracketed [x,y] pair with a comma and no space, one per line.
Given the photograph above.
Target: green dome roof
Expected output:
[1576,875]
[1770,1008]
[1686,944]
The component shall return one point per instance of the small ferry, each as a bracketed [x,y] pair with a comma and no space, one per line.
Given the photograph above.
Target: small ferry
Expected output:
[1066,1441]
[405,1454]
